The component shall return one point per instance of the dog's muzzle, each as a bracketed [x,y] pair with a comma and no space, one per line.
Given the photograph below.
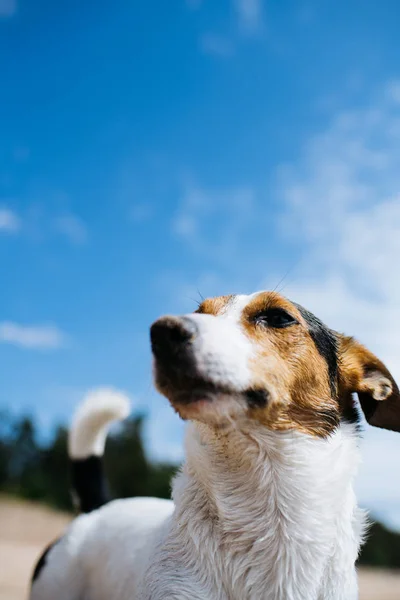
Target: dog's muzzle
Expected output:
[172,337]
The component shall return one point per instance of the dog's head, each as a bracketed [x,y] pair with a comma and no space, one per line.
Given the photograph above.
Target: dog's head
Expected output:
[262,357]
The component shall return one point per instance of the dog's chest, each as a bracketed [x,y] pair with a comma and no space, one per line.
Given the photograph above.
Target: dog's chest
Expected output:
[221,563]
[264,552]
[261,552]
[271,532]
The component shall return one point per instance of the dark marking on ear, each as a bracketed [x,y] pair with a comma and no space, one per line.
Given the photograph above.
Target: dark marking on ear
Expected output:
[257,398]
[42,561]
[326,342]
[369,405]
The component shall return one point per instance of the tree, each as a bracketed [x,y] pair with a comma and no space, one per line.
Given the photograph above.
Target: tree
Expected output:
[382,548]
[41,472]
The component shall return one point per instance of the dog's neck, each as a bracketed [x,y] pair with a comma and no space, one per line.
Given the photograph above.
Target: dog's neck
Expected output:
[275,510]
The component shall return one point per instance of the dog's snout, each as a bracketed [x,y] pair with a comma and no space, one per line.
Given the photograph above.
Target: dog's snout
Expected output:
[170,333]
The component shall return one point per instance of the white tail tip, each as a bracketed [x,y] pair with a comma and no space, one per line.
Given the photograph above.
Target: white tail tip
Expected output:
[92,419]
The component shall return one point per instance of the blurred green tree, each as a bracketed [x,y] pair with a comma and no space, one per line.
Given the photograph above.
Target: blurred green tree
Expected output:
[41,472]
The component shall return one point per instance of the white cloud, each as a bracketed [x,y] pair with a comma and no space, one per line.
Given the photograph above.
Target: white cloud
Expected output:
[67,225]
[185,225]
[216,45]
[250,15]
[247,22]
[8,8]
[211,221]
[342,201]
[32,336]
[340,205]
[141,213]
[224,228]
[9,221]
[72,227]
[393,91]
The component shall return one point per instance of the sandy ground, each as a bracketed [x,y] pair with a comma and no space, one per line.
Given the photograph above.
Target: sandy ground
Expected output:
[26,528]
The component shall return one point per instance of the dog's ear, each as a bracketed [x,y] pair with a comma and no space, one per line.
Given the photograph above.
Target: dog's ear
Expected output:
[361,372]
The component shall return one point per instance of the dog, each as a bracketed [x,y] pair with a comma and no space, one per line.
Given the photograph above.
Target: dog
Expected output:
[264,506]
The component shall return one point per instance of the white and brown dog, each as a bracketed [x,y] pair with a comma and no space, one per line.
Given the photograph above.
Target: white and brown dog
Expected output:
[264,506]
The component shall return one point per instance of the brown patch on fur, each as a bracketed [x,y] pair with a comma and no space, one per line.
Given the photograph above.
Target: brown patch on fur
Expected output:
[287,364]
[214,306]
[361,371]
[292,377]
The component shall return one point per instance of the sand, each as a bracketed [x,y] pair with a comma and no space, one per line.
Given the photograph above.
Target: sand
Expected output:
[26,528]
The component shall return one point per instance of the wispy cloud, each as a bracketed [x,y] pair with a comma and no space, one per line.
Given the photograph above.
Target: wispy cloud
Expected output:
[393,91]
[247,22]
[344,199]
[140,213]
[194,4]
[217,45]
[71,227]
[44,337]
[342,202]
[211,221]
[67,225]
[224,229]
[9,221]
[250,15]
[8,8]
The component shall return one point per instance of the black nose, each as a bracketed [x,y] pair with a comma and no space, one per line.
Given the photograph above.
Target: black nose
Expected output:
[170,334]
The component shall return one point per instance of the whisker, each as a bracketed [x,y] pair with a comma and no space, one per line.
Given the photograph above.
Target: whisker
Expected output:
[200,294]
[278,289]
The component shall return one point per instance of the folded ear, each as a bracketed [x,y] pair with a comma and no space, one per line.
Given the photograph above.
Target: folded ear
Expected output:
[361,372]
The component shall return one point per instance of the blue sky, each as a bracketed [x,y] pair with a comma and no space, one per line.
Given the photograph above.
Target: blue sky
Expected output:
[150,151]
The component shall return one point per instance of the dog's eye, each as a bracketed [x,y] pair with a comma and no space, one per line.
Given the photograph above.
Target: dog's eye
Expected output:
[275,317]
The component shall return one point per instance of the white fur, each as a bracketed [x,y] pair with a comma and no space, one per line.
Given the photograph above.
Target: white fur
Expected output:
[261,515]
[265,514]
[218,337]
[221,348]
[103,555]
[91,422]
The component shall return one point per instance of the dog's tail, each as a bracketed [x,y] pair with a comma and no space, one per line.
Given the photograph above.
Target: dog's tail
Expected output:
[86,441]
